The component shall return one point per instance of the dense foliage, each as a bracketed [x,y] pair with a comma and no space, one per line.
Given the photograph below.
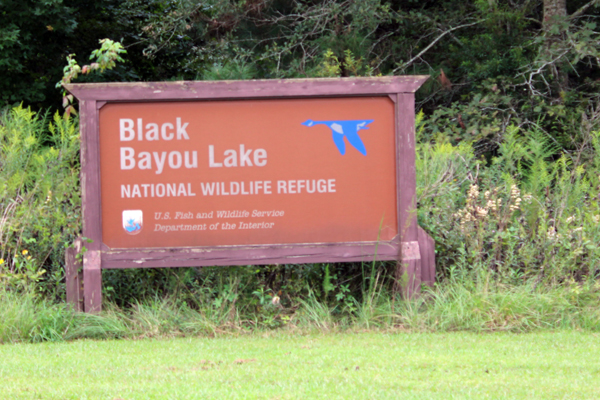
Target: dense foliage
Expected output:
[507,47]
[39,198]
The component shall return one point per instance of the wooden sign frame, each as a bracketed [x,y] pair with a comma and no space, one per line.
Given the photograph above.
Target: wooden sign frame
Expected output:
[412,247]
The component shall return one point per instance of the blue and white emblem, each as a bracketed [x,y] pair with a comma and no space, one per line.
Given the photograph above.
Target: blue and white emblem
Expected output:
[133,221]
[344,129]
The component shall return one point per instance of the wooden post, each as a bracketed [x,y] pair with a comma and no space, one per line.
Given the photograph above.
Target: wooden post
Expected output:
[408,270]
[92,216]
[74,276]
[427,249]
[92,282]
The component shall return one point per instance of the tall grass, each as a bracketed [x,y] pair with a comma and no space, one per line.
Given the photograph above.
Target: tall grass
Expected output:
[482,306]
[39,197]
[24,316]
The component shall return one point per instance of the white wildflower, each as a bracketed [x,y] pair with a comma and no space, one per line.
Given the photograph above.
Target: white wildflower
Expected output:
[552,234]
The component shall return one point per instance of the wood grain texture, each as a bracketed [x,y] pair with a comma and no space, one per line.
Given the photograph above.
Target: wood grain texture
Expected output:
[408,274]
[74,277]
[92,281]
[255,255]
[427,248]
[90,175]
[91,209]
[196,90]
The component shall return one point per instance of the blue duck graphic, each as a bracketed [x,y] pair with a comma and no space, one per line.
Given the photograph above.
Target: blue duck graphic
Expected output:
[132,226]
[345,128]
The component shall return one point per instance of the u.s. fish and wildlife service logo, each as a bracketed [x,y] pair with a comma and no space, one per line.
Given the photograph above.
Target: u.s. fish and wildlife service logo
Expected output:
[133,221]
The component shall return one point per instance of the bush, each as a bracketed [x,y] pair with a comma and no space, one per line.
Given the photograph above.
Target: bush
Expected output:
[529,213]
[39,198]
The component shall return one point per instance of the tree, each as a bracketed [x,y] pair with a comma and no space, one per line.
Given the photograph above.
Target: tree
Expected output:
[36,37]
[529,51]
[553,10]
[31,43]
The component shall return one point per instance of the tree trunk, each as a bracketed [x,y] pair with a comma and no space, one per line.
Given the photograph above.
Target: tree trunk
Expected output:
[553,11]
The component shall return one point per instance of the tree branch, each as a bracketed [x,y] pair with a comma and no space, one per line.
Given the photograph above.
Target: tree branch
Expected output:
[584,8]
[406,64]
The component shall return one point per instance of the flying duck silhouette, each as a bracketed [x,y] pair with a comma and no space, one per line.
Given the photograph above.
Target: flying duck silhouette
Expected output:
[341,129]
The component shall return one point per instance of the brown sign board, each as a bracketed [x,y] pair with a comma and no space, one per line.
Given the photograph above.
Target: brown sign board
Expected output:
[247,172]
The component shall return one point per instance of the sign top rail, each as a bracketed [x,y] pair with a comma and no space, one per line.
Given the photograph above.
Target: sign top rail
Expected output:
[197,90]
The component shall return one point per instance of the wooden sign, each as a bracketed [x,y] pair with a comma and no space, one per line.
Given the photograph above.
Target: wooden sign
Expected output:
[247,172]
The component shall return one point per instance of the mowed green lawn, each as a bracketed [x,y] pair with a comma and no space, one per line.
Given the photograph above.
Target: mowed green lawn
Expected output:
[373,365]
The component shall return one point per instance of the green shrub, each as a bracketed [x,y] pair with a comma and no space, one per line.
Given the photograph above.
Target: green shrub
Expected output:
[39,198]
[530,212]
